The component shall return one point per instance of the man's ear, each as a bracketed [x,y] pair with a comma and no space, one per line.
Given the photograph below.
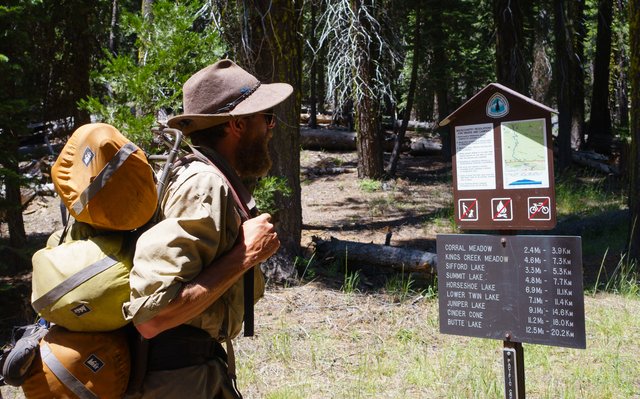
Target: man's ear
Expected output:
[237,126]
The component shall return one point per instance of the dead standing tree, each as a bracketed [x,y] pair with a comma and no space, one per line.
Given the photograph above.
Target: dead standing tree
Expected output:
[352,34]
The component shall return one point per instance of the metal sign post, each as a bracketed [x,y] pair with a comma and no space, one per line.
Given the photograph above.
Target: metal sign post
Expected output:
[513,370]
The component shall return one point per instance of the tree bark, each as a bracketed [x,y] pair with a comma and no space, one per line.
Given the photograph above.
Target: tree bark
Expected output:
[563,75]
[276,50]
[113,30]
[540,76]
[600,132]
[367,105]
[634,191]
[511,68]
[313,78]
[401,259]
[395,154]
[622,79]
[15,221]
[81,40]
[577,66]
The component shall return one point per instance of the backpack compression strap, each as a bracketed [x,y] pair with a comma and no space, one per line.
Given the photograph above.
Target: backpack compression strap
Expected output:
[72,282]
[247,208]
[69,380]
[103,177]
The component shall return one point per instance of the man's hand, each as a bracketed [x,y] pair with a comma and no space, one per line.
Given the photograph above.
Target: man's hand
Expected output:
[257,241]
[259,238]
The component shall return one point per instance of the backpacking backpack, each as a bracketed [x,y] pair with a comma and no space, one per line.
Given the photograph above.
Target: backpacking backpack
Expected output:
[105,181]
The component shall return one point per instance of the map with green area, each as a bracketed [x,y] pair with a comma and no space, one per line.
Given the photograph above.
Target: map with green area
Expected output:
[524,154]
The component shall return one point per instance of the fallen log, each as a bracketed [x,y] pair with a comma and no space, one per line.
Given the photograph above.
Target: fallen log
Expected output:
[595,161]
[400,259]
[330,140]
[416,125]
[424,146]
[311,172]
[337,140]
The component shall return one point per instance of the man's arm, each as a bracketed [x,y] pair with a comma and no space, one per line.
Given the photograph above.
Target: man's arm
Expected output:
[257,242]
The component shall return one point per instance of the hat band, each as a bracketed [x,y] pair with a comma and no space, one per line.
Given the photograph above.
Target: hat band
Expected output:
[246,92]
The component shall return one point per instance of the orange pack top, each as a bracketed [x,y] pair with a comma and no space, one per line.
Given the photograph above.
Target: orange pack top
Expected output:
[104,179]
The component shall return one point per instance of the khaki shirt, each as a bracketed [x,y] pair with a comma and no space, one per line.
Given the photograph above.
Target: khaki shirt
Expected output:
[199,222]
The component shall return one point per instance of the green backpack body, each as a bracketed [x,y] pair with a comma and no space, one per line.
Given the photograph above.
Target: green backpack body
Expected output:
[82,284]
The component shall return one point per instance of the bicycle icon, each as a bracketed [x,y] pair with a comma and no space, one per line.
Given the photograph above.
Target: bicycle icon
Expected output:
[539,208]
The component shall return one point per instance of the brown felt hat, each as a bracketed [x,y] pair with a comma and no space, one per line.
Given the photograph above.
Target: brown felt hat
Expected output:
[224,91]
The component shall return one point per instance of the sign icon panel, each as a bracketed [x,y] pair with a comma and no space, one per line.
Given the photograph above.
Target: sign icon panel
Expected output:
[539,208]
[468,209]
[497,106]
[501,209]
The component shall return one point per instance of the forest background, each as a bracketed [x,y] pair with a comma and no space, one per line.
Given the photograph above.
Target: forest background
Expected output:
[377,63]
[383,63]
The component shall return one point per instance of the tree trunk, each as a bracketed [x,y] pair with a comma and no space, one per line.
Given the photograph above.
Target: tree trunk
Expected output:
[541,66]
[634,191]
[147,16]
[81,60]
[511,67]
[395,154]
[277,50]
[440,70]
[563,79]
[622,79]
[113,30]
[17,234]
[367,105]
[600,132]
[577,67]
[313,91]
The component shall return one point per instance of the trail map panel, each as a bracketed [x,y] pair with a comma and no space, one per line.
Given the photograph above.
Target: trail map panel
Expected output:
[524,154]
[524,288]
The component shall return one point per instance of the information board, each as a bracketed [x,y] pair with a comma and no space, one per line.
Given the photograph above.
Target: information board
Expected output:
[502,162]
[515,288]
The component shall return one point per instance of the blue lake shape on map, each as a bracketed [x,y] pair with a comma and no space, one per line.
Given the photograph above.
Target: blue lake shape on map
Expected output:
[523,182]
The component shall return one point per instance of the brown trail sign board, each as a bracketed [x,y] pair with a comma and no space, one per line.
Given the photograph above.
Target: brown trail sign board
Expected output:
[516,288]
[502,162]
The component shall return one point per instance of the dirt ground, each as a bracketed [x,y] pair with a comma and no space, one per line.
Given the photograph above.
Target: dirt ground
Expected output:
[342,206]
[414,208]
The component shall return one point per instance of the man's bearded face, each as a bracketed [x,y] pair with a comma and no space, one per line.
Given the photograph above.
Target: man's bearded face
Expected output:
[252,157]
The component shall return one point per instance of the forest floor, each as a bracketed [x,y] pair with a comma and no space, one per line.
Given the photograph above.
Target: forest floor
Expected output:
[414,207]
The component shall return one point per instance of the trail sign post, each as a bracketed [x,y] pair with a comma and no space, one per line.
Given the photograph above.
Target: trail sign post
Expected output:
[514,288]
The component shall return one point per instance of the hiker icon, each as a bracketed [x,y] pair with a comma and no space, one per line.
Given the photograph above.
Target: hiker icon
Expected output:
[468,209]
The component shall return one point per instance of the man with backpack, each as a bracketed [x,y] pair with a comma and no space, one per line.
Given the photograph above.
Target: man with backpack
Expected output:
[186,285]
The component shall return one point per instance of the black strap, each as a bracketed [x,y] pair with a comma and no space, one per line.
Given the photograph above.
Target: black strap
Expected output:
[183,346]
[247,207]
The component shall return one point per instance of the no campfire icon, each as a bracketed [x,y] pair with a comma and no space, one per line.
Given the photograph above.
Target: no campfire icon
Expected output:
[501,209]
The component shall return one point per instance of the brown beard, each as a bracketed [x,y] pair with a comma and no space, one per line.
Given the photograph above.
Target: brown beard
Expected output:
[252,157]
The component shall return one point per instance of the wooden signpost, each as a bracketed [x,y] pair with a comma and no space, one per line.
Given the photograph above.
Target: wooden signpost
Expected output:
[513,288]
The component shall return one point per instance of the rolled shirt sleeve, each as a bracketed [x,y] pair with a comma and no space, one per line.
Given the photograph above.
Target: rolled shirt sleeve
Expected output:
[199,223]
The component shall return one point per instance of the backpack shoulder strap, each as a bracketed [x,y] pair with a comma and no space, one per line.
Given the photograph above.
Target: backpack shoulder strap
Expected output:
[247,208]
[244,200]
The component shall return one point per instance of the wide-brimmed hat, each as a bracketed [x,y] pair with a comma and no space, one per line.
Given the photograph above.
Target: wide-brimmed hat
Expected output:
[223,91]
